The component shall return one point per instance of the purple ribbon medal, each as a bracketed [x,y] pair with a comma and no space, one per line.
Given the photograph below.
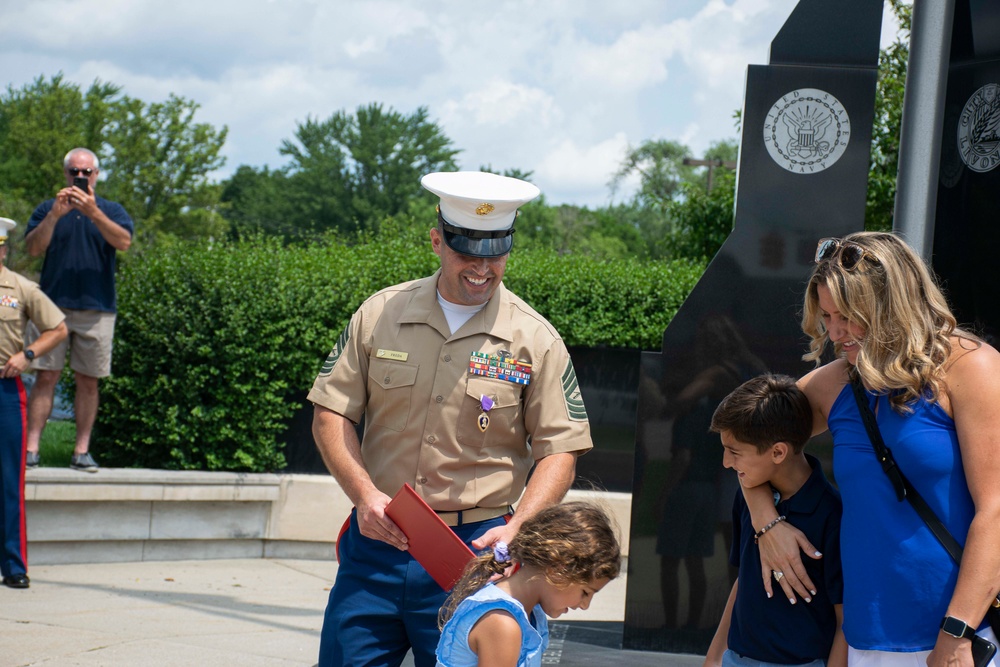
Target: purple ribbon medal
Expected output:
[486,403]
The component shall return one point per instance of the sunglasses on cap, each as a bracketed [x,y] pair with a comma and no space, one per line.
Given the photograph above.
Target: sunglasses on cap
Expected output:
[849,253]
[76,172]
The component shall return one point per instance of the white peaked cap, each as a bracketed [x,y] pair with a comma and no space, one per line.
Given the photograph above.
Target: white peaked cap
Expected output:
[479,200]
[6,224]
[478,210]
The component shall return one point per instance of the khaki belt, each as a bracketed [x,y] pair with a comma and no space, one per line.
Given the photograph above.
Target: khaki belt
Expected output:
[474,515]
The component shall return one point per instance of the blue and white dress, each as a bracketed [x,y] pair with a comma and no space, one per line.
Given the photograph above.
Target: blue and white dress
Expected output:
[453,648]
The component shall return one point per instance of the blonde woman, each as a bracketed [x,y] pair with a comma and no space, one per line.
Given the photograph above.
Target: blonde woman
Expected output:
[935,391]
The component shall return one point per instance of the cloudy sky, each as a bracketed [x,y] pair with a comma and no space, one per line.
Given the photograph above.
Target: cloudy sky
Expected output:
[557,87]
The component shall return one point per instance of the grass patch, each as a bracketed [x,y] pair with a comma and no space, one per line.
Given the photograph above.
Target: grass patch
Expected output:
[58,440]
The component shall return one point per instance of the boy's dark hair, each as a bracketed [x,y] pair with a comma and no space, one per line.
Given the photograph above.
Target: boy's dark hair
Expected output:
[765,410]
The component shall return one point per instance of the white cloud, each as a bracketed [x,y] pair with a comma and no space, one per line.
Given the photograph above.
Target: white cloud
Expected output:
[570,170]
[554,88]
[637,59]
[497,103]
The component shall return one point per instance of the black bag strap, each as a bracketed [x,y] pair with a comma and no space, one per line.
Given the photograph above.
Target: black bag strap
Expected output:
[902,485]
[904,490]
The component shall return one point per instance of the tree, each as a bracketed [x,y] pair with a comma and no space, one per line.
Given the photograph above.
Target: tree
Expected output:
[702,220]
[256,200]
[39,123]
[672,215]
[158,162]
[155,157]
[724,150]
[888,118]
[659,164]
[349,171]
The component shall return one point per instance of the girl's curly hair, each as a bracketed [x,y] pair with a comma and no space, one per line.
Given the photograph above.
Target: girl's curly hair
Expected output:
[572,543]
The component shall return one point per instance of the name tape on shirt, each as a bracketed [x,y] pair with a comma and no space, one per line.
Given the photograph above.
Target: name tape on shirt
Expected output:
[500,367]
[392,354]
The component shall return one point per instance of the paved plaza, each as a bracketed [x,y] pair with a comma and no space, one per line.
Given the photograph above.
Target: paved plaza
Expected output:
[248,612]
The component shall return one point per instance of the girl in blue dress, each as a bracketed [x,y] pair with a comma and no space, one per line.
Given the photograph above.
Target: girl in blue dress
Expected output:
[559,559]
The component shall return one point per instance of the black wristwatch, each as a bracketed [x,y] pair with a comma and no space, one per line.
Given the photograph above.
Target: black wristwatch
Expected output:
[29,354]
[957,628]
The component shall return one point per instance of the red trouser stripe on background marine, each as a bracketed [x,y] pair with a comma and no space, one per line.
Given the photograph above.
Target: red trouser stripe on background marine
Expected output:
[23,399]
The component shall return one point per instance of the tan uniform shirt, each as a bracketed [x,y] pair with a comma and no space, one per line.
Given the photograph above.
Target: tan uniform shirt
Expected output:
[22,300]
[399,366]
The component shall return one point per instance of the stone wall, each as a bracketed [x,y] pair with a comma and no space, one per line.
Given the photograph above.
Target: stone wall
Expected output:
[128,515]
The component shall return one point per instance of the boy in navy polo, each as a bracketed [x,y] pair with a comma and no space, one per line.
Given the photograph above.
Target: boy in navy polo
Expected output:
[764,425]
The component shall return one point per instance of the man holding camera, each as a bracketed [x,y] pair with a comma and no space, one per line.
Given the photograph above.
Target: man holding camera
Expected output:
[79,233]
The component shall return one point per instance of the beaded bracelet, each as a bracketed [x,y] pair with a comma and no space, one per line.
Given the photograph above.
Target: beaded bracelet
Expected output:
[759,533]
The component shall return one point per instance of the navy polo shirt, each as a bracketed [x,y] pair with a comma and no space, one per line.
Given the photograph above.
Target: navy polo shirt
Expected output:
[773,630]
[79,268]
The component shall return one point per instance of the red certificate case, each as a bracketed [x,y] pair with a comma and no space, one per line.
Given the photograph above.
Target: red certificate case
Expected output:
[431,541]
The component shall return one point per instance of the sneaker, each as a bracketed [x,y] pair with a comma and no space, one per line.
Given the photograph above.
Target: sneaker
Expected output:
[84,462]
[31,460]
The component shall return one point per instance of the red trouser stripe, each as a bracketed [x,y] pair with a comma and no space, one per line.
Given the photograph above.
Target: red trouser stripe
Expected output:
[23,399]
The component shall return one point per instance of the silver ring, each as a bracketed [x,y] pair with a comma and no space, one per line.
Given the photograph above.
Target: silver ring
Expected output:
[778,574]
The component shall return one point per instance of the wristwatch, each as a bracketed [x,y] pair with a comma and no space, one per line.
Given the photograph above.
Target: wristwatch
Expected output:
[957,628]
[29,354]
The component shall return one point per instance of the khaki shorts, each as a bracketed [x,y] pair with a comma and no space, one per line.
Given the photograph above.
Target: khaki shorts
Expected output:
[88,344]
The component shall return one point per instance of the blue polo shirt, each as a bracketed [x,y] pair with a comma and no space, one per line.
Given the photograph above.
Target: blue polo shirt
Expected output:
[772,630]
[79,268]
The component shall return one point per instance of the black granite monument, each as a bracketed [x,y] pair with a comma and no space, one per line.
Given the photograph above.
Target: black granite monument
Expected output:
[965,229]
[803,171]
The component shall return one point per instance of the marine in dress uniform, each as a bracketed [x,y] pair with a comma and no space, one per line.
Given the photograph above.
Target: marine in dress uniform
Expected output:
[464,389]
[20,301]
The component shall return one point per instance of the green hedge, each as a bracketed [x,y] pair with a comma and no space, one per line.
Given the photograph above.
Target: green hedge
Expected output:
[214,340]
[621,303]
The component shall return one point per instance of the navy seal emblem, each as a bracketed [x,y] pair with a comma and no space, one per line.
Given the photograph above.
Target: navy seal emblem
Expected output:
[807,131]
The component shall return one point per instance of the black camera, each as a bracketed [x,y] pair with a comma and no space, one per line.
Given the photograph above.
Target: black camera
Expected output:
[81,182]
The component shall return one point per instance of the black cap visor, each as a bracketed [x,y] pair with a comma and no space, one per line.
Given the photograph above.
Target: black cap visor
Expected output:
[477,243]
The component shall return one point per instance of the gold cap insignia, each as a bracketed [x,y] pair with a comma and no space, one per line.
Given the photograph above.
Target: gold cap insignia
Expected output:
[484,209]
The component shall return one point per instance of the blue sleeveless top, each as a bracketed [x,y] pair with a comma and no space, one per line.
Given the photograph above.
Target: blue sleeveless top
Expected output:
[453,647]
[898,579]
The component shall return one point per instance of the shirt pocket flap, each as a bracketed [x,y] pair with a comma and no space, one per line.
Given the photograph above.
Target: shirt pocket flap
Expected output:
[504,394]
[392,374]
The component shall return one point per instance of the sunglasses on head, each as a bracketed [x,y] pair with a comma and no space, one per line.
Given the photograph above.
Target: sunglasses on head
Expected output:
[849,253]
[76,172]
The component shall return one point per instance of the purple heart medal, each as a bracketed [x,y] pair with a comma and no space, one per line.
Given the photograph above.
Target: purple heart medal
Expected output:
[484,417]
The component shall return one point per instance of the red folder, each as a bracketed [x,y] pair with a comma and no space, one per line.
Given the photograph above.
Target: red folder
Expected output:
[442,553]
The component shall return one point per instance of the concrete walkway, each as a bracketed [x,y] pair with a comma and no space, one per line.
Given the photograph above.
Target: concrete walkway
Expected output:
[246,612]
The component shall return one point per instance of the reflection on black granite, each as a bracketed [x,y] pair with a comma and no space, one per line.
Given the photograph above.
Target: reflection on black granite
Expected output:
[966,234]
[694,501]
[742,318]
[609,378]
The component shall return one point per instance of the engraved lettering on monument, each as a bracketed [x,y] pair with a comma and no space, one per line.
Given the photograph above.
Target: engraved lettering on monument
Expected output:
[806,131]
[978,143]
